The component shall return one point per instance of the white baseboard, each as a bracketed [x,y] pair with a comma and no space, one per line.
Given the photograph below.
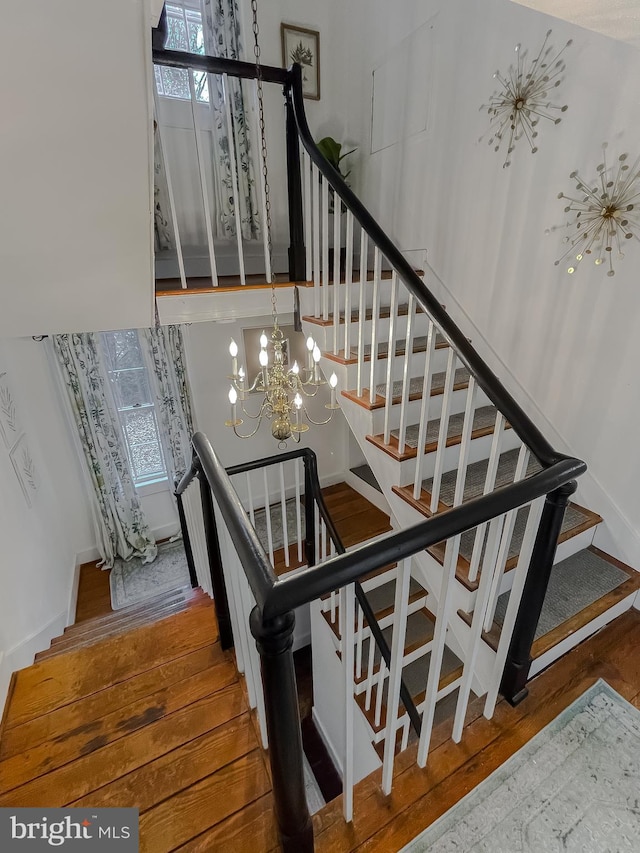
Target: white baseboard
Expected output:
[22,655]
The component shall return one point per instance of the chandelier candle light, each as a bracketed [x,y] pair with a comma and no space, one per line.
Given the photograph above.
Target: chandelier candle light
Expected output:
[284,390]
[522,99]
[605,212]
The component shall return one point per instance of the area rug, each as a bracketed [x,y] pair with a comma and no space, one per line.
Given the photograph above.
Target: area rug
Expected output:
[277,530]
[133,581]
[575,788]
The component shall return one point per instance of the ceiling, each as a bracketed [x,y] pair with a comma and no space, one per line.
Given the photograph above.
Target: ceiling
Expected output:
[619,19]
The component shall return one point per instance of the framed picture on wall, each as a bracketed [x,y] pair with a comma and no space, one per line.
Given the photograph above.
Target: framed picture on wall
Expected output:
[303,46]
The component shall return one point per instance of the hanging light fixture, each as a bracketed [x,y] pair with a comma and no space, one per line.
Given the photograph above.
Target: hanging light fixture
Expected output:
[284,389]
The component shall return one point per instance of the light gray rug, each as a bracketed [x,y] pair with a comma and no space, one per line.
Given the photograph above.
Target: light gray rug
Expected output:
[573,788]
[277,531]
[133,581]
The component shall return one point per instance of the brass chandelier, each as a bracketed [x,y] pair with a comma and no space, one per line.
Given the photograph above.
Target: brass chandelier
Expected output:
[284,389]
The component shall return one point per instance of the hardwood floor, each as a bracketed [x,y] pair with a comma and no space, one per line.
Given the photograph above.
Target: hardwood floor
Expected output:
[157,718]
[385,824]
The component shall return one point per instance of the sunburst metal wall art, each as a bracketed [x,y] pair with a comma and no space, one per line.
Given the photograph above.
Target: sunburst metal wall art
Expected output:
[604,215]
[523,98]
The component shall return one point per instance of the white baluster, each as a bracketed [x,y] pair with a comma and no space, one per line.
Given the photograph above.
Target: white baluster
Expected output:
[375,311]
[437,650]
[475,635]
[235,190]
[296,468]
[203,180]
[347,600]
[348,281]
[444,428]
[382,674]
[391,354]
[172,203]
[252,514]
[401,610]
[406,374]
[489,483]
[362,309]
[424,410]
[306,174]
[283,510]
[325,249]
[370,679]
[267,514]
[359,641]
[514,602]
[337,210]
[315,189]
[249,603]
[465,441]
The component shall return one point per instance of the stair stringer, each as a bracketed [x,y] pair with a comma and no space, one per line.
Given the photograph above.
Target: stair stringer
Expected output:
[329,703]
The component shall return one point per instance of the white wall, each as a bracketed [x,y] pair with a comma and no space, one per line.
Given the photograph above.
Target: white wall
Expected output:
[76,248]
[568,344]
[39,544]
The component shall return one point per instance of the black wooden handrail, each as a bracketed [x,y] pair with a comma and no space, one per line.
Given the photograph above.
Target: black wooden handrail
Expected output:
[219,65]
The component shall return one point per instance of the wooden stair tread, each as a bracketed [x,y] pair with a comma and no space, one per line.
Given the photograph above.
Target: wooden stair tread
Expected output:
[454,435]
[556,635]
[380,613]
[419,345]
[461,381]
[384,313]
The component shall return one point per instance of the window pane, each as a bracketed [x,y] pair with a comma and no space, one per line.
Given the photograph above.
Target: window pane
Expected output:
[141,432]
[131,388]
[123,349]
[146,461]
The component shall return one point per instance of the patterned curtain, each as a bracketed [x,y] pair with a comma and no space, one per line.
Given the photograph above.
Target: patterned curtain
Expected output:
[163,232]
[122,528]
[164,351]
[222,38]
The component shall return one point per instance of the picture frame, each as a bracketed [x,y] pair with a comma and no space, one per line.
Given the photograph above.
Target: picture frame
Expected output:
[302,45]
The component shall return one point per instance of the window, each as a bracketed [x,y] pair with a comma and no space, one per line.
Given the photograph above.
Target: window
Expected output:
[135,404]
[184,32]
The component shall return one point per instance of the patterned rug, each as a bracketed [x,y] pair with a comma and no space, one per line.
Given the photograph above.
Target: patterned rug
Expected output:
[573,788]
[133,581]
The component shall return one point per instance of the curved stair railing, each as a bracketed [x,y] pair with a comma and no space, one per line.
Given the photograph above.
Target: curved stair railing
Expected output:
[542,479]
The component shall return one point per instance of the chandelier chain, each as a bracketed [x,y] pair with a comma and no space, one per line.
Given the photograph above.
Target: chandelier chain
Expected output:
[263,145]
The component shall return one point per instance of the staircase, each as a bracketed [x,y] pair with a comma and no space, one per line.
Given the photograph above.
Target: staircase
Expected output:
[399,371]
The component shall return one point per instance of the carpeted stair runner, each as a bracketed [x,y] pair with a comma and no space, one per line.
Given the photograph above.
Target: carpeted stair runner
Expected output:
[484,418]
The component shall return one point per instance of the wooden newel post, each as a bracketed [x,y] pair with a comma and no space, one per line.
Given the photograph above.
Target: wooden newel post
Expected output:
[274,640]
[516,671]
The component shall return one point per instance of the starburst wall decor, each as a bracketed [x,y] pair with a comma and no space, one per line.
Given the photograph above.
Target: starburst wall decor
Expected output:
[604,215]
[523,98]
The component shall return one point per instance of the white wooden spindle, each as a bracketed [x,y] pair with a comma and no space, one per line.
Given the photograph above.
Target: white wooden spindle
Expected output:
[503,553]
[172,203]
[235,189]
[347,602]
[323,545]
[489,483]
[406,728]
[406,374]
[306,184]
[391,354]
[347,288]
[261,184]
[337,210]
[362,309]
[465,441]
[359,640]
[424,410]
[401,609]
[475,635]
[283,510]
[317,532]
[382,674]
[520,575]
[375,311]
[249,603]
[370,679]
[203,180]
[298,498]
[325,249]
[444,427]
[437,649]
[315,218]
[267,513]
[334,603]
